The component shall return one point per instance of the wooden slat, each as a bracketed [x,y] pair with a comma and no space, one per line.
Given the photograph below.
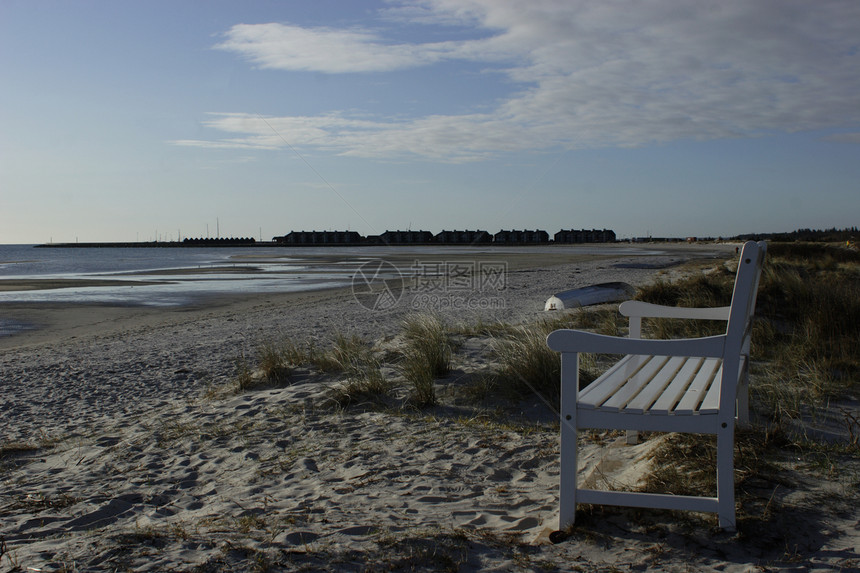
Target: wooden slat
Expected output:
[629,390]
[596,393]
[711,403]
[656,386]
[656,500]
[675,391]
[597,418]
[698,388]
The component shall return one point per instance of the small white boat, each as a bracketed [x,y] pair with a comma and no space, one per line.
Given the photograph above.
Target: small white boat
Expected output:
[594,294]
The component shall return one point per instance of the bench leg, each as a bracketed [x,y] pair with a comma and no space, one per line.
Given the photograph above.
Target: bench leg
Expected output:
[726,476]
[568,463]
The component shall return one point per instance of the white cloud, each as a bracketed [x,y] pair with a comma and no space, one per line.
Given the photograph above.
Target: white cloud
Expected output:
[292,48]
[588,74]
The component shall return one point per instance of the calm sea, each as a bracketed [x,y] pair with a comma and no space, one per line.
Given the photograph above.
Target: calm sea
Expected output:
[180,276]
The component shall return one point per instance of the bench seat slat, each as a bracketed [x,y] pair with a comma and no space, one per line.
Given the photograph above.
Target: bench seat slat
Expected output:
[675,391]
[596,393]
[634,384]
[711,403]
[698,387]
[656,386]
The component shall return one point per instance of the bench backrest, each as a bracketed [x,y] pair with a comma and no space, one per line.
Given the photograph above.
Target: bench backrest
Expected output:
[744,297]
[739,329]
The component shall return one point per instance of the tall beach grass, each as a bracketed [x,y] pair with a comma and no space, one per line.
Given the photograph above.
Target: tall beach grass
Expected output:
[426,356]
[528,367]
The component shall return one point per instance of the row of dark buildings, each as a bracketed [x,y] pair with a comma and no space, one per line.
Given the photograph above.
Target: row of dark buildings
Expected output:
[513,237]
[218,242]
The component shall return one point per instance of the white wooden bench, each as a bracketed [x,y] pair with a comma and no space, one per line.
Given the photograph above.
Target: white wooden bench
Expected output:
[694,385]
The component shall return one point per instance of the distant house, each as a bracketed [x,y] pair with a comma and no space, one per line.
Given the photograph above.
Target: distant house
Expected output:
[406,237]
[585,236]
[320,238]
[536,237]
[462,237]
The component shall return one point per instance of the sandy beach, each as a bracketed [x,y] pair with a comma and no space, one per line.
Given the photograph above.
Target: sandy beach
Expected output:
[122,452]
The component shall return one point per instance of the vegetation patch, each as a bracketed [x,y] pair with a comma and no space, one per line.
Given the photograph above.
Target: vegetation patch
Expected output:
[528,367]
[36,502]
[15,454]
[274,360]
[426,356]
[804,343]
[364,381]
[14,449]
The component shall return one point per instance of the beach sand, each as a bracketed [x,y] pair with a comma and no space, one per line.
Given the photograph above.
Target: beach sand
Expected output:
[120,453]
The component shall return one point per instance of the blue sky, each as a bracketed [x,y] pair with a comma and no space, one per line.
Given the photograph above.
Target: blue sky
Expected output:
[124,120]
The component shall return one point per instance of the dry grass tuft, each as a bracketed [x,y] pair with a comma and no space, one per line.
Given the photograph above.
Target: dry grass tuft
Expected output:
[685,464]
[527,366]
[426,356]
[274,361]
[364,382]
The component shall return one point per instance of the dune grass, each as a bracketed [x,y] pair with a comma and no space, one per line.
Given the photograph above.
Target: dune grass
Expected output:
[426,356]
[428,336]
[685,464]
[274,360]
[286,352]
[713,289]
[244,375]
[528,367]
[811,348]
[364,381]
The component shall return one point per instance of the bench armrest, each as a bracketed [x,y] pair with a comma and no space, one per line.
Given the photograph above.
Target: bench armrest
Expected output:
[637,308]
[582,341]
